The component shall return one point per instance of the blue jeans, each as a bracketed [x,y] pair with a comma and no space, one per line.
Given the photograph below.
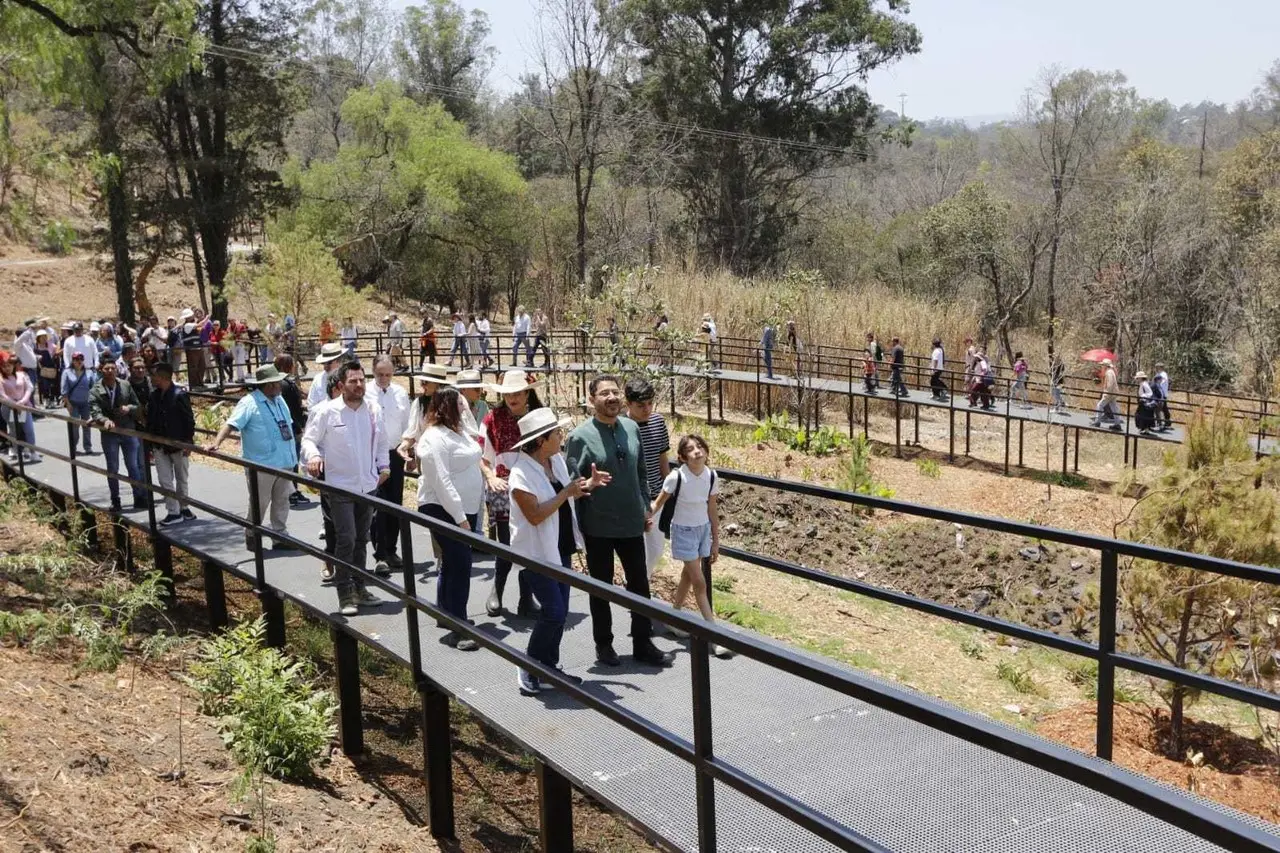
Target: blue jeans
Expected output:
[768,362]
[453,581]
[114,445]
[81,411]
[553,595]
[522,339]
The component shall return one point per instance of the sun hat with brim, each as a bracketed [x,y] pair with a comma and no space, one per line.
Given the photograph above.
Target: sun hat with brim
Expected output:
[187,314]
[1106,362]
[29,322]
[330,352]
[513,381]
[265,375]
[538,423]
[469,379]
[1140,375]
[434,373]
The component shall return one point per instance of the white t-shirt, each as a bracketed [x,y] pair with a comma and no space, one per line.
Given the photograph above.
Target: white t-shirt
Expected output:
[542,540]
[937,361]
[691,508]
[450,476]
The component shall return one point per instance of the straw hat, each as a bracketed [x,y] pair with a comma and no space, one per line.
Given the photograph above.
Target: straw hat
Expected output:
[513,381]
[436,373]
[469,379]
[187,314]
[1106,362]
[330,352]
[1140,375]
[538,423]
[265,375]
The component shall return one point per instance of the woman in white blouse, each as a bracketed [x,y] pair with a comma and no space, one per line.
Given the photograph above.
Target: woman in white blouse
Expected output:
[450,488]
[544,527]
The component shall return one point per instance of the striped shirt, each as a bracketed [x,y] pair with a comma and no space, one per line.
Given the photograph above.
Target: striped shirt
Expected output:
[655,441]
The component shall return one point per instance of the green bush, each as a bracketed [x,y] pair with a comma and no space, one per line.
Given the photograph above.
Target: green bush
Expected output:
[855,471]
[58,237]
[929,468]
[1018,677]
[823,441]
[272,717]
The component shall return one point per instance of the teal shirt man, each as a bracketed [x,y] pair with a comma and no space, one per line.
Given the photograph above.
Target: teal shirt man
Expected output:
[619,510]
[257,418]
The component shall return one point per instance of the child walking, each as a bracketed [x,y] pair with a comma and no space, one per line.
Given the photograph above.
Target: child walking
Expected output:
[1021,372]
[869,377]
[695,524]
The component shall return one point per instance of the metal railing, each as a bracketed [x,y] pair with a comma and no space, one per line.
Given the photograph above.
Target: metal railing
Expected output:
[1208,822]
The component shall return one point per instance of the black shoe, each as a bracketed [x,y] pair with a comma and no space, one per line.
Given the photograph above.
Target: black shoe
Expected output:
[606,656]
[188,515]
[115,505]
[527,608]
[171,518]
[394,561]
[450,639]
[649,654]
[493,604]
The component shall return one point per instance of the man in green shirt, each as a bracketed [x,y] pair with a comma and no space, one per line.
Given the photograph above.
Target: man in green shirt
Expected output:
[614,519]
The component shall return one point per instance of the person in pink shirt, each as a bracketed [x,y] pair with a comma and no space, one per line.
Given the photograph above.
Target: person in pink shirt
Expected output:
[16,387]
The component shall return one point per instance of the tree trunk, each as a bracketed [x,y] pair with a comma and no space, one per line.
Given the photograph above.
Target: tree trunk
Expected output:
[1053,259]
[117,198]
[140,285]
[1178,696]
[580,195]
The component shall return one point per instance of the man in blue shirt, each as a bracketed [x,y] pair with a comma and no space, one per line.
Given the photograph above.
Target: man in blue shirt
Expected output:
[767,340]
[266,437]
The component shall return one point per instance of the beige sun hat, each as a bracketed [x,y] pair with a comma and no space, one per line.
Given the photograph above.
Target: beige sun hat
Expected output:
[538,423]
[513,381]
[1140,375]
[469,378]
[436,373]
[330,352]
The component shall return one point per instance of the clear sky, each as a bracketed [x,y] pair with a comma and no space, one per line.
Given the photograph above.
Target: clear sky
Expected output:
[979,56]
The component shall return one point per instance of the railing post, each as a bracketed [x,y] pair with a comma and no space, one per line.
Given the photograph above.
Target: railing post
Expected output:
[75,469]
[123,543]
[757,352]
[897,425]
[1106,648]
[704,783]
[411,613]
[1262,428]
[708,398]
[1075,462]
[951,418]
[437,758]
[672,367]
[346,665]
[19,436]
[850,393]
[272,604]
[215,595]
[555,810]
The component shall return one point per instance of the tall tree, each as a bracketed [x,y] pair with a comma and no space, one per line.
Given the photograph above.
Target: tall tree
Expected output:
[101,55]
[223,127]
[576,49]
[443,56]
[785,69]
[1073,117]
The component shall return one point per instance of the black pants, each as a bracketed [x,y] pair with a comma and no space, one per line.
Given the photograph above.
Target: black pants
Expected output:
[386,526]
[936,384]
[501,530]
[1164,413]
[630,553]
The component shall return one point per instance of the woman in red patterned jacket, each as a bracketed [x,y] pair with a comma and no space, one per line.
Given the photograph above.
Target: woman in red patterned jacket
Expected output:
[498,434]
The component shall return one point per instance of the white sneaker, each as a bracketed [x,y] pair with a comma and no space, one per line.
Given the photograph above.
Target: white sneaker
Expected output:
[721,652]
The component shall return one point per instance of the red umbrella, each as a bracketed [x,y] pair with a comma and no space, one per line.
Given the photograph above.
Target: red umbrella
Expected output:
[1098,355]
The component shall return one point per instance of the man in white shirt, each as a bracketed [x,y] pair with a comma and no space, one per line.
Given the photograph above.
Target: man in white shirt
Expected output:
[483,328]
[520,331]
[80,343]
[345,440]
[395,338]
[709,328]
[459,342]
[394,402]
[329,360]
[938,363]
[350,335]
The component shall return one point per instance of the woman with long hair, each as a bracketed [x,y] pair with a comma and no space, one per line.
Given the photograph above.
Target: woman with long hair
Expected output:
[450,489]
[499,432]
[16,387]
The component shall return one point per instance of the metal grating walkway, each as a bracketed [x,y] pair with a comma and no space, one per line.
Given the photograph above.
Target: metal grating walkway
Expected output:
[909,787]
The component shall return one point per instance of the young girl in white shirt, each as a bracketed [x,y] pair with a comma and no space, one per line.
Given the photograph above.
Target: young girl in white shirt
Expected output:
[695,523]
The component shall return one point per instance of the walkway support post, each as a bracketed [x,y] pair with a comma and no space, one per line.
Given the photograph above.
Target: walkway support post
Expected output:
[1008,400]
[672,367]
[1106,648]
[555,810]
[1075,464]
[897,425]
[757,352]
[162,553]
[411,590]
[705,792]
[850,392]
[1066,439]
[437,758]
[951,425]
[215,595]
[346,665]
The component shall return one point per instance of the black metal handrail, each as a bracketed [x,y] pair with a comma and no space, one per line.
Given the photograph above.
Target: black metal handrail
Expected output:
[1191,815]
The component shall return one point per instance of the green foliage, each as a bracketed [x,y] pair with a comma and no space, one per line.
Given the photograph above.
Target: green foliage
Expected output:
[1018,676]
[410,203]
[973,648]
[723,583]
[759,68]
[260,844]
[1204,500]
[929,468]
[443,57]
[824,441]
[299,276]
[59,237]
[1057,478]
[855,473]
[272,717]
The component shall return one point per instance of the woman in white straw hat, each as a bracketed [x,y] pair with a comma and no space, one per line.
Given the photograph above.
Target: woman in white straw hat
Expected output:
[499,432]
[1145,416]
[471,385]
[544,527]
[329,360]
[431,378]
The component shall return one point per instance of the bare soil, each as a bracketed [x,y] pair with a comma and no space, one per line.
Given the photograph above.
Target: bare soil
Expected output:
[1235,771]
[124,762]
